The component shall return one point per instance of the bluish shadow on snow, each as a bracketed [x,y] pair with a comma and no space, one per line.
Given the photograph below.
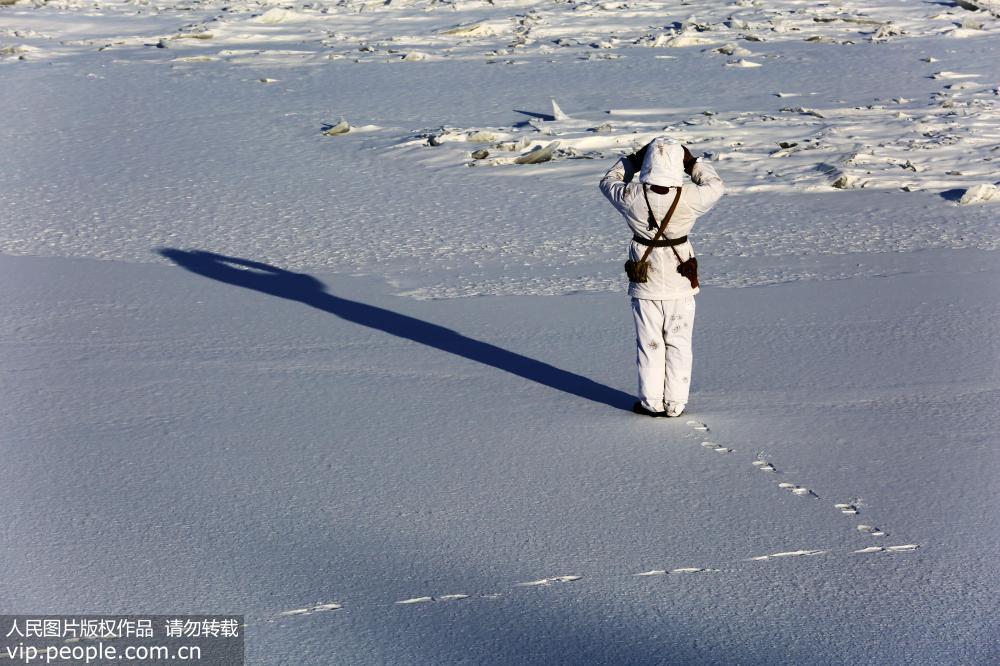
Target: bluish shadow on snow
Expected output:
[534,114]
[310,291]
[953,194]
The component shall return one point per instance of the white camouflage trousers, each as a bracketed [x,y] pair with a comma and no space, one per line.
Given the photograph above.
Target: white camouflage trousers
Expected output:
[663,350]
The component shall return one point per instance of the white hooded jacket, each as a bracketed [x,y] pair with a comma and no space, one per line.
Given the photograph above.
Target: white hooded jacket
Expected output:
[662,167]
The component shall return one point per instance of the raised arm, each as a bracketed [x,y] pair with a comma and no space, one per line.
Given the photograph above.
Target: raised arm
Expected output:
[710,188]
[614,181]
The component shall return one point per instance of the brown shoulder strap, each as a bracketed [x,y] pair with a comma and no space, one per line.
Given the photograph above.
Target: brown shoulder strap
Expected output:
[663,225]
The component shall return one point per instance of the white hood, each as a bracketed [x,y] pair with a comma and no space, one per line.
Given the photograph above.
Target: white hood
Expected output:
[664,164]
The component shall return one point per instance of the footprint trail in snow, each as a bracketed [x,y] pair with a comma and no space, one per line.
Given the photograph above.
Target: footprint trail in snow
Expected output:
[760,463]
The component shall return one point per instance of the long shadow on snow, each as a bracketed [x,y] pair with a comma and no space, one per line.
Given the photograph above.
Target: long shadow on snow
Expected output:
[310,291]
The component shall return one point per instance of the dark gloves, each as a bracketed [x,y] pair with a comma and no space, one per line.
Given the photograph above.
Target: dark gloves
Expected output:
[634,163]
[689,161]
[637,158]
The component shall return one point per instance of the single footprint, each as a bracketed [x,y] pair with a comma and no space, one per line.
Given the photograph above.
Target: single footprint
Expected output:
[889,549]
[846,509]
[790,553]
[682,570]
[424,600]
[415,600]
[309,610]
[692,570]
[801,491]
[763,466]
[718,448]
[698,425]
[871,529]
[549,581]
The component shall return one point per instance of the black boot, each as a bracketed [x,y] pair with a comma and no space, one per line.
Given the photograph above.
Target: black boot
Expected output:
[639,409]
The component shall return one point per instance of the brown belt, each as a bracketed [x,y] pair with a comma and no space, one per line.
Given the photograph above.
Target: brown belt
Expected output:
[665,242]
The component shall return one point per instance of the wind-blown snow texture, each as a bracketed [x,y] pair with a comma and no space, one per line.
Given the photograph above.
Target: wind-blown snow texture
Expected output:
[274,397]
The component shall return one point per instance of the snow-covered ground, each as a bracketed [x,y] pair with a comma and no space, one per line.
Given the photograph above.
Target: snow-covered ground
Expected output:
[371,390]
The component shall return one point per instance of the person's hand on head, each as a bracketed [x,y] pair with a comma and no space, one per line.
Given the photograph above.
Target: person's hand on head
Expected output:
[638,157]
[635,161]
[689,161]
